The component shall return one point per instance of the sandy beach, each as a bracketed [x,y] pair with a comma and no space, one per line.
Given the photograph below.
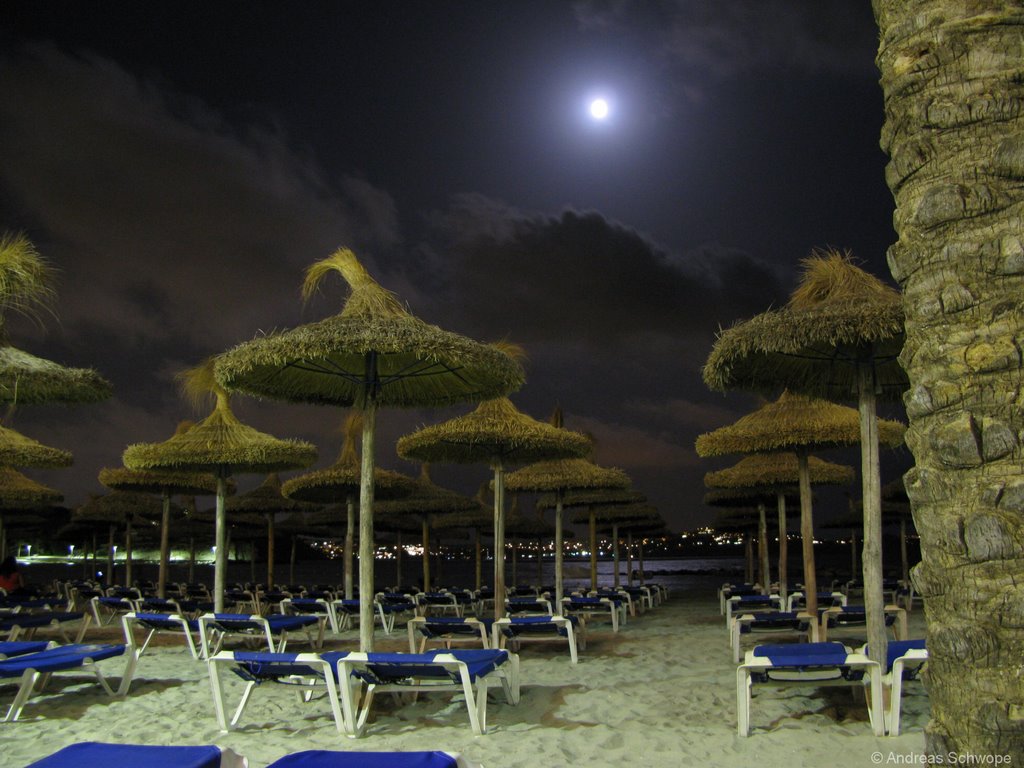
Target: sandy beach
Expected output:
[661,692]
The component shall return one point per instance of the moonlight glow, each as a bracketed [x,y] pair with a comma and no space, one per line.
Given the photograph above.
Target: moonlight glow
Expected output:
[599,109]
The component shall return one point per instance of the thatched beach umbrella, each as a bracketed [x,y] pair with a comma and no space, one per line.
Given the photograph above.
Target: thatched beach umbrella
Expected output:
[839,336]
[165,484]
[480,520]
[799,424]
[590,497]
[373,354]
[425,503]
[341,482]
[777,472]
[500,435]
[223,445]
[266,501]
[18,495]
[612,515]
[558,478]
[17,450]
[121,508]
[26,287]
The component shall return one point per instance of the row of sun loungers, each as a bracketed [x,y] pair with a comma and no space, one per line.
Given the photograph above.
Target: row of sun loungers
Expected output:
[94,753]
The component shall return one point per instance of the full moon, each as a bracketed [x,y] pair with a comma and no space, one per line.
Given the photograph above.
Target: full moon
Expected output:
[599,109]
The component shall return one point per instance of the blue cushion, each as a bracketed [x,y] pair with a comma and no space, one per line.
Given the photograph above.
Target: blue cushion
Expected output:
[324,759]
[97,755]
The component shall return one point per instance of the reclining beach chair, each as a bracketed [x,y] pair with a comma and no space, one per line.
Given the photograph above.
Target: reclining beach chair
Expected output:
[115,603]
[819,664]
[528,606]
[311,606]
[317,758]
[796,600]
[801,626]
[588,607]
[438,603]
[448,631]
[852,619]
[347,612]
[904,661]
[9,648]
[27,625]
[728,590]
[92,753]
[468,671]
[162,624]
[740,604]
[304,672]
[216,627]
[30,668]
[519,629]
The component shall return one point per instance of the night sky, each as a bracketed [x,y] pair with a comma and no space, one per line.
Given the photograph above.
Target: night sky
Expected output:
[182,163]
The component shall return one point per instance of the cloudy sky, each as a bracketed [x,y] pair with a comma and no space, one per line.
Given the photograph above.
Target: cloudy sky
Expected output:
[182,163]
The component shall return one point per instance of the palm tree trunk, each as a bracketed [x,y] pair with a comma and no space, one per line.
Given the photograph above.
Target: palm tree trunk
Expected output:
[951,75]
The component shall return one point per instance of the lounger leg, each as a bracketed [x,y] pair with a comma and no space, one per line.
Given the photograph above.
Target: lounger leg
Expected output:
[28,682]
[129,672]
[743,702]
[895,697]
[875,702]
[571,637]
[218,694]
[243,703]
[86,621]
[475,705]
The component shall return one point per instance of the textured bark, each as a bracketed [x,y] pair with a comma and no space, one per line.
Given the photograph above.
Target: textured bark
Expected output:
[953,78]
[807,536]
[783,546]
[366,554]
[499,538]
[762,547]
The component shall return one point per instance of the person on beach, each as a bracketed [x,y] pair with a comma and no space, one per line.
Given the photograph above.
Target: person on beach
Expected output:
[10,576]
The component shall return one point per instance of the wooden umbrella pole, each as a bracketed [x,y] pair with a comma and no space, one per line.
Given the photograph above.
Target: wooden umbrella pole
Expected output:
[515,561]
[807,535]
[593,550]
[165,545]
[762,547]
[904,558]
[748,551]
[479,559]
[270,550]
[540,563]
[350,541]
[874,600]
[499,539]
[425,530]
[640,561]
[3,539]
[191,559]
[128,574]
[110,559]
[629,558]
[615,554]
[854,570]
[783,545]
[398,559]
[366,562]
[220,538]
[291,559]
[559,554]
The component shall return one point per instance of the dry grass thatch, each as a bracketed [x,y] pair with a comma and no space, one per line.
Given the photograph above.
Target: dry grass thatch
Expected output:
[20,492]
[426,499]
[26,278]
[619,514]
[340,480]
[839,318]
[774,470]
[152,481]
[16,450]
[267,499]
[374,349]
[584,498]
[495,430]
[565,475]
[222,444]
[29,380]
[748,498]
[794,422]
[119,506]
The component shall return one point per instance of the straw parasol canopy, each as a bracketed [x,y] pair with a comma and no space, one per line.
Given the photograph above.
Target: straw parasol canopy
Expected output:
[26,287]
[613,514]
[800,424]
[499,434]
[17,450]
[839,335]
[19,494]
[165,484]
[776,472]
[223,445]
[266,501]
[373,354]
[341,482]
[559,477]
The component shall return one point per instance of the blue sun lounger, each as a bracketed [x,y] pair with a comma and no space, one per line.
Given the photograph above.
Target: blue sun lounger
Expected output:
[27,624]
[741,604]
[305,672]
[31,667]
[903,663]
[519,629]
[588,607]
[802,626]
[93,754]
[853,618]
[316,758]
[11,648]
[216,627]
[468,671]
[448,631]
[819,664]
[161,624]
